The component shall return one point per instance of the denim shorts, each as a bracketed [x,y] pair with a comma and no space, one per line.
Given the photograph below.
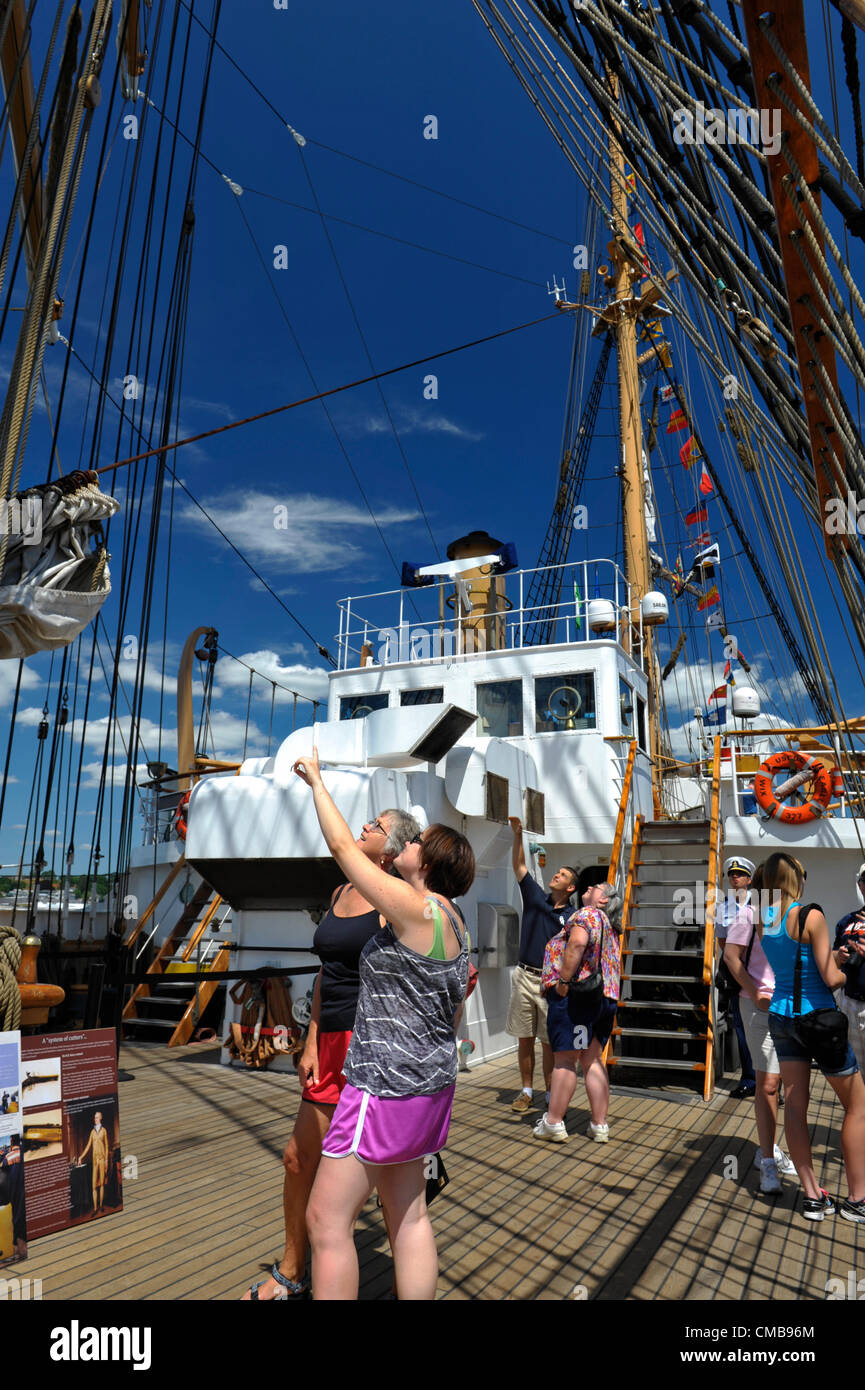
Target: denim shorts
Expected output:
[567,1028]
[789,1048]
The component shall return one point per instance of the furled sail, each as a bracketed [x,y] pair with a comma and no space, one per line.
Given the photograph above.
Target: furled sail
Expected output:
[54,578]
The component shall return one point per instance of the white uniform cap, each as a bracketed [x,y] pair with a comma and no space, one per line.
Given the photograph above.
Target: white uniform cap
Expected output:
[861,872]
[738,861]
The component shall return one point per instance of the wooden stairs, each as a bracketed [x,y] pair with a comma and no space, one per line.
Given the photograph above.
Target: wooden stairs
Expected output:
[665,1026]
[165,1007]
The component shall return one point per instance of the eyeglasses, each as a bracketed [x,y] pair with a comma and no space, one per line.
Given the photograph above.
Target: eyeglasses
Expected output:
[376,825]
[416,839]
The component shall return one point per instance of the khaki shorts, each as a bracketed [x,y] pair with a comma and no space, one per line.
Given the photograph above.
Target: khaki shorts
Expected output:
[759,1039]
[527,1014]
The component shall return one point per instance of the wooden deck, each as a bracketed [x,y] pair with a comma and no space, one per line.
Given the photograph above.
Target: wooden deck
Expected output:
[651,1215]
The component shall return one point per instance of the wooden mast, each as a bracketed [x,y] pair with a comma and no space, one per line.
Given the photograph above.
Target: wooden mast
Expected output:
[627,258]
[788,27]
[185,729]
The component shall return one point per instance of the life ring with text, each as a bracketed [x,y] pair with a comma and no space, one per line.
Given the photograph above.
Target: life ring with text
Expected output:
[180,816]
[794,763]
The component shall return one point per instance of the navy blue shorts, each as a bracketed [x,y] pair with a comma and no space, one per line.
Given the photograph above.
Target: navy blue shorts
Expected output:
[567,1028]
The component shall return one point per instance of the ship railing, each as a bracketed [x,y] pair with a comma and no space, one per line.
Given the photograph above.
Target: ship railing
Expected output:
[739,765]
[430,623]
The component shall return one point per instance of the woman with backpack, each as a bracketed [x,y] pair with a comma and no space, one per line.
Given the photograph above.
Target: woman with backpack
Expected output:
[806,1024]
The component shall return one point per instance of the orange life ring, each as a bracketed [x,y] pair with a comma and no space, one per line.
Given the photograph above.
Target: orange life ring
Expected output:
[793,762]
[180,816]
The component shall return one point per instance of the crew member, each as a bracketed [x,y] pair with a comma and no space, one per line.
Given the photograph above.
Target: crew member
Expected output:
[738,871]
[544,914]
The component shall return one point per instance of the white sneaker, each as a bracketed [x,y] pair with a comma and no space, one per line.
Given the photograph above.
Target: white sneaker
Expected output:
[600,1133]
[785,1165]
[556,1134]
[769,1180]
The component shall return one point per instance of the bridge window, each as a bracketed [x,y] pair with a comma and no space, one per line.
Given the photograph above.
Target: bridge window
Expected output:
[359,706]
[626,707]
[641,724]
[433,695]
[500,708]
[565,702]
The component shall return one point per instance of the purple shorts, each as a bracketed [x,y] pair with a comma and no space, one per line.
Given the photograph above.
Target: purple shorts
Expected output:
[380,1129]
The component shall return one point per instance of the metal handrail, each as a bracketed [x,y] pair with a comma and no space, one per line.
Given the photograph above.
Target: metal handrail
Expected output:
[157,899]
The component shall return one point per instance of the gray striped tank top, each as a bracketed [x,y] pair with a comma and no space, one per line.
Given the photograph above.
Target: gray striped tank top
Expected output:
[403,1041]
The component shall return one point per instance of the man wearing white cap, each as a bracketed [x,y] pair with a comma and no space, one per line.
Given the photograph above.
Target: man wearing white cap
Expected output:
[850,949]
[738,871]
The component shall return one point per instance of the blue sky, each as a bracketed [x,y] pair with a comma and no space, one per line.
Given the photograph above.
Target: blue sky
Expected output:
[483,455]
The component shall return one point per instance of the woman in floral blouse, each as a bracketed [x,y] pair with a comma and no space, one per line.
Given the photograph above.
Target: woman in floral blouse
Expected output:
[586,943]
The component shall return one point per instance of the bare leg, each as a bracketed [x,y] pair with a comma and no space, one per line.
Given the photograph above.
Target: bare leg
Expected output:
[797,1082]
[766,1110]
[850,1090]
[300,1160]
[526,1058]
[402,1188]
[341,1188]
[597,1081]
[563,1085]
[547,1063]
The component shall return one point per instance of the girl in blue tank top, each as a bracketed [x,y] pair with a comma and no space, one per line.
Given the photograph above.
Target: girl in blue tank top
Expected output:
[780,952]
[782,875]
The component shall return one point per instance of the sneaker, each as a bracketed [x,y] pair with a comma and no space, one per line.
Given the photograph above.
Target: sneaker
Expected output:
[600,1133]
[522,1103]
[815,1208]
[786,1167]
[557,1134]
[853,1211]
[769,1180]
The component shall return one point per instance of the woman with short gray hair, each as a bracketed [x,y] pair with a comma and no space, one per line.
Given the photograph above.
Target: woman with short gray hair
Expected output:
[339,939]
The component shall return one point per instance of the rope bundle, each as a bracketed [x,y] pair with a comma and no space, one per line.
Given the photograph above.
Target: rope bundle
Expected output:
[10,994]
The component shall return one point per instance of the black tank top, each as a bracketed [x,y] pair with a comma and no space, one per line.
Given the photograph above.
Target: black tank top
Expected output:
[338,941]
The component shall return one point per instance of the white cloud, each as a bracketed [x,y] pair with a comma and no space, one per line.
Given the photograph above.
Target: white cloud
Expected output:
[409,420]
[9,678]
[306,680]
[296,533]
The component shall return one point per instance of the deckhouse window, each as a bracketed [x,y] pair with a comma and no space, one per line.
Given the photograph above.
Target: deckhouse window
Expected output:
[565,702]
[359,706]
[433,695]
[626,707]
[641,724]
[500,708]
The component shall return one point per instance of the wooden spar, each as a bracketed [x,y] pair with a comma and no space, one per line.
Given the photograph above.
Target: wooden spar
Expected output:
[788,26]
[20,99]
[185,730]
[132,59]
[627,259]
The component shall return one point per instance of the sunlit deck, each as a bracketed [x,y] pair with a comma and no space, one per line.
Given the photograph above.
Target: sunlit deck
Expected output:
[649,1216]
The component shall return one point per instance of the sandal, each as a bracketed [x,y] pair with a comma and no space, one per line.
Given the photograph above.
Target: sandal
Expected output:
[289,1289]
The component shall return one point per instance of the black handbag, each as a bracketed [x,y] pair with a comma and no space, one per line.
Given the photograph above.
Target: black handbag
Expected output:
[438,1178]
[823,1032]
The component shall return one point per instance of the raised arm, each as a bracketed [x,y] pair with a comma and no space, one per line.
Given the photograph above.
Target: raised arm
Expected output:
[401,904]
[518,857]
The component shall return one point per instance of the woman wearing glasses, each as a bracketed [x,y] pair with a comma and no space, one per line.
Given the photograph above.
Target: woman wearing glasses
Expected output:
[850,945]
[402,1063]
[340,937]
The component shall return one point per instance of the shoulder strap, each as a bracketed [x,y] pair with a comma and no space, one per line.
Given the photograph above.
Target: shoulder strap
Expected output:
[453,921]
[797,969]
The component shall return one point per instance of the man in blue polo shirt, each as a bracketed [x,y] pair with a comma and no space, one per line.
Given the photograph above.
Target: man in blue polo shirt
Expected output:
[543,915]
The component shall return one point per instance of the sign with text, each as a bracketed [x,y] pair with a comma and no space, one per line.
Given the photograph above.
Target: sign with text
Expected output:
[71,1129]
[13,1226]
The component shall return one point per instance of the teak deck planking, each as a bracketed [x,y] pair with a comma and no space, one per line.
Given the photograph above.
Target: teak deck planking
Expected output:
[650,1215]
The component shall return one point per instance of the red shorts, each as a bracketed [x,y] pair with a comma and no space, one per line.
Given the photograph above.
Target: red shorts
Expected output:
[332,1048]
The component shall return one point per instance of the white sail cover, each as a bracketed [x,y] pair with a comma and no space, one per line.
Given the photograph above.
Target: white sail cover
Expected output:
[55,575]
